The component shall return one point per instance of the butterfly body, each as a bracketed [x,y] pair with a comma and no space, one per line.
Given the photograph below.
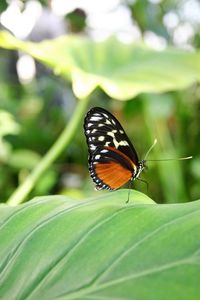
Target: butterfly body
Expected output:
[113,161]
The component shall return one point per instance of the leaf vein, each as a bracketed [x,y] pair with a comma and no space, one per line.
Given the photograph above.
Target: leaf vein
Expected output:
[125,253]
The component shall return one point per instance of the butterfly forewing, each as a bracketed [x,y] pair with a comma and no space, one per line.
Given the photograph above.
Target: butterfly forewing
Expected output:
[102,129]
[112,158]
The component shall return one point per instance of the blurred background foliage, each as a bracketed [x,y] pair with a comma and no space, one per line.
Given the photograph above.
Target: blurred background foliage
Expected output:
[35,104]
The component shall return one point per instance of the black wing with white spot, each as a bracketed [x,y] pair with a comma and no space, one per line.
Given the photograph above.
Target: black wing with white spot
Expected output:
[102,129]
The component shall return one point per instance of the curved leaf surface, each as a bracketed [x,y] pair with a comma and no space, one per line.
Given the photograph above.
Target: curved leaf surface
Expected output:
[57,248]
[121,70]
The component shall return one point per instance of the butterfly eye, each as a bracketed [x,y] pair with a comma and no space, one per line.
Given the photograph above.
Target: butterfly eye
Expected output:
[113,161]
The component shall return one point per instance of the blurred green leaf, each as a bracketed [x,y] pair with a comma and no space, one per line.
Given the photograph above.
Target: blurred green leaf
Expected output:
[46,182]
[121,70]
[58,248]
[5,150]
[3,5]
[157,112]
[149,16]
[195,167]
[24,158]
[7,124]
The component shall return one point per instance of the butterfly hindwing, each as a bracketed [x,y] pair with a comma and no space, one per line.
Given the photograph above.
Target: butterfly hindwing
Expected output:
[110,168]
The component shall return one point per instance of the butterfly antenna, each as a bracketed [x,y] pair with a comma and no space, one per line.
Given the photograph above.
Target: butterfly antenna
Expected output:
[167,159]
[152,146]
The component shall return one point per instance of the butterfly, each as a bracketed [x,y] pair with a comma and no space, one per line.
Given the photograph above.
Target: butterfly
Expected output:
[113,160]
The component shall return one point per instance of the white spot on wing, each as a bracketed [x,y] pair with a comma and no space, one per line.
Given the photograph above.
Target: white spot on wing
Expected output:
[97,156]
[95,118]
[93,130]
[101,138]
[89,124]
[116,143]
[110,133]
[105,115]
[123,143]
[92,147]
[108,122]
[104,151]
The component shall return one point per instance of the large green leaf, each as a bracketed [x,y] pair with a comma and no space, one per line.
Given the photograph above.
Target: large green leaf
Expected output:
[122,71]
[57,248]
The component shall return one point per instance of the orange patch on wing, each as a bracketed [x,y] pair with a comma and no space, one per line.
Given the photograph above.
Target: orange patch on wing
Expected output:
[113,174]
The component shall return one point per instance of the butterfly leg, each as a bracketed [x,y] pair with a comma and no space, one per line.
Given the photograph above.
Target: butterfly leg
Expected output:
[147,184]
[129,190]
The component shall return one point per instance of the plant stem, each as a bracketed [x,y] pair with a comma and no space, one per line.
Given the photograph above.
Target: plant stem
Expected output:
[61,143]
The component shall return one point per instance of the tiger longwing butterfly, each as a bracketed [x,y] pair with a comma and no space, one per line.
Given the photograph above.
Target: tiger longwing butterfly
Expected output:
[113,161]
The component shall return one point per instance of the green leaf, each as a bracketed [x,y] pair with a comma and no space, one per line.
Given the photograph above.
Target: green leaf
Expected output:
[3,5]
[23,158]
[57,248]
[121,70]
[8,124]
